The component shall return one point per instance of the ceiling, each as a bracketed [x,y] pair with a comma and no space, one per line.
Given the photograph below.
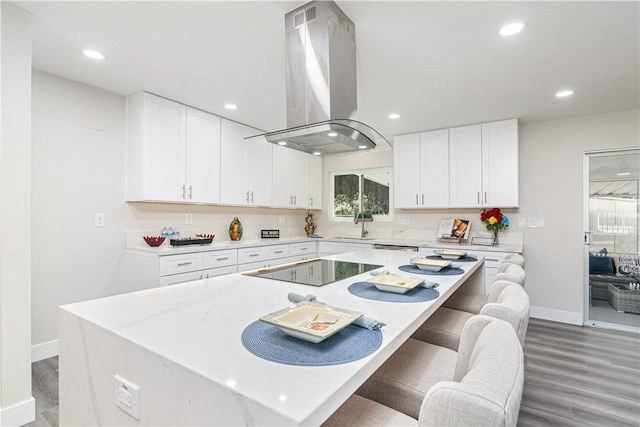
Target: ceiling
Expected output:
[438,64]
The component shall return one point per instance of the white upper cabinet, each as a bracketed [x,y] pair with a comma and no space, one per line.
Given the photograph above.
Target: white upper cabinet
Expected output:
[463,167]
[245,166]
[421,170]
[492,181]
[500,182]
[315,182]
[167,145]
[465,163]
[290,178]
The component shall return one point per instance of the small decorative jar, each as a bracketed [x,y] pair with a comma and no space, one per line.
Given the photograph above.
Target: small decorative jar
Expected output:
[235,229]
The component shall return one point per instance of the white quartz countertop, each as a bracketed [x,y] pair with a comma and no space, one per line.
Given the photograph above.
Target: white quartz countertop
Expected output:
[165,249]
[198,325]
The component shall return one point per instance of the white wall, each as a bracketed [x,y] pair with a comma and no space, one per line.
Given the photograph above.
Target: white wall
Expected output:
[79,171]
[551,186]
[16,404]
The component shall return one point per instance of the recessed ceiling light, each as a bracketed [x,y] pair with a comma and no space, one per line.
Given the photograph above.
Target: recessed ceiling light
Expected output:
[93,54]
[512,29]
[230,106]
[316,153]
[332,134]
[362,147]
[282,143]
[565,93]
[623,173]
[394,116]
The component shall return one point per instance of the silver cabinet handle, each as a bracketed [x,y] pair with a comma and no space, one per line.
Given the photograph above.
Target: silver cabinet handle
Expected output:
[478,197]
[279,252]
[190,191]
[252,255]
[247,196]
[291,200]
[184,189]
[417,199]
[485,197]
[182,264]
[295,200]
[252,197]
[222,259]
[423,199]
[311,202]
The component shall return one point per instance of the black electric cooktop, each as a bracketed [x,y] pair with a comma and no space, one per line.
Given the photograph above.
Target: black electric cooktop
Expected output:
[315,272]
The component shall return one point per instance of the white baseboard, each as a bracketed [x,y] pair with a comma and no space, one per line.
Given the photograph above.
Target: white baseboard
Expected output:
[19,414]
[44,350]
[556,315]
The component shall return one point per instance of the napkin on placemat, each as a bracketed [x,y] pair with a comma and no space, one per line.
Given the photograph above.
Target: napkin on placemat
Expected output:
[362,321]
[425,283]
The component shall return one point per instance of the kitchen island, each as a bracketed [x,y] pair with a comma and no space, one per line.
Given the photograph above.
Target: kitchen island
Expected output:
[181,345]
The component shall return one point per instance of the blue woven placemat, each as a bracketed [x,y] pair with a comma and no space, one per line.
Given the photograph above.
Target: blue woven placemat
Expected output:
[461,259]
[369,291]
[270,343]
[410,268]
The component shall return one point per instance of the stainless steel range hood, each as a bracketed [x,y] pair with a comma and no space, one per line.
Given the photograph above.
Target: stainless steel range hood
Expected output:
[321,84]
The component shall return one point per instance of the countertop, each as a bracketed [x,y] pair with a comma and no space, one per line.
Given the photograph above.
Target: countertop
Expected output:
[198,325]
[165,249]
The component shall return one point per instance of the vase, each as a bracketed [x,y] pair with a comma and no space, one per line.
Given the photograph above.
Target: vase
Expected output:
[310,228]
[496,239]
[235,229]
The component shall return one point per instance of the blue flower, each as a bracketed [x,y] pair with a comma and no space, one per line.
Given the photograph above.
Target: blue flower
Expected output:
[505,221]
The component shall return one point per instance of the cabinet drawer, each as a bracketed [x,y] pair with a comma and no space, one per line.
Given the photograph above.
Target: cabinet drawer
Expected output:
[246,255]
[262,264]
[299,258]
[219,258]
[278,251]
[175,264]
[221,271]
[179,278]
[296,249]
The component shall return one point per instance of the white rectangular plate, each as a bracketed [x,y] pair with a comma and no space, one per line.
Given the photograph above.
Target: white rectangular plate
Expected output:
[449,254]
[311,321]
[430,264]
[395,284]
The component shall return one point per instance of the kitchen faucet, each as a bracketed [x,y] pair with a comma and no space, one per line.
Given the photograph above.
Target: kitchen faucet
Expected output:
[364,217]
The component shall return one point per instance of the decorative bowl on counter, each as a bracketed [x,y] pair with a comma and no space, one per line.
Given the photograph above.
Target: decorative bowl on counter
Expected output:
[154,240]
[311,321]
[430,264]
[449,254]
[395,284]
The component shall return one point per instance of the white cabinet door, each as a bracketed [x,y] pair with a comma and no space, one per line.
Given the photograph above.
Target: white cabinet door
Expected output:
[203,157]
[315,182]
[434,153]
[290,178]
[164,148]
[406,171]
[234,163]
[260,171]
[500,164]
[465,154]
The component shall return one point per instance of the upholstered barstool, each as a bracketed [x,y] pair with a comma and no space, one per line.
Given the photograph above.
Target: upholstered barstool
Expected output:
[513,259]
[484,386]
[507,301]
[511,272]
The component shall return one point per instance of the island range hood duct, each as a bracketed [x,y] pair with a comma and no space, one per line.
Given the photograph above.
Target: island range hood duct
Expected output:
[321,84]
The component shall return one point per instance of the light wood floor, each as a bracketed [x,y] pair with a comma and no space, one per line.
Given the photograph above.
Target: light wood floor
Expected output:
[574,376]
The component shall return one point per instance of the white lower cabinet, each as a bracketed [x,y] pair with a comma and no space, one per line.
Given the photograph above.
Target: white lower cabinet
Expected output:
[302,251]
[334,248]
[262,256]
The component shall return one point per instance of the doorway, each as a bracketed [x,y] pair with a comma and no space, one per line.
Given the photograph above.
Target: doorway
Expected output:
[612,239]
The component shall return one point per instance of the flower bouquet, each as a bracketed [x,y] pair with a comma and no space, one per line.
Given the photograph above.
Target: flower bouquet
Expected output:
[495,222]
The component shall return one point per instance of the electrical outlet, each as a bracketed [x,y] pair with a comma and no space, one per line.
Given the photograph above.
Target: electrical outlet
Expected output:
[536,222]
[522,222]
[188,219]
[99,220]
[281,220]
[404,220]
[127,396]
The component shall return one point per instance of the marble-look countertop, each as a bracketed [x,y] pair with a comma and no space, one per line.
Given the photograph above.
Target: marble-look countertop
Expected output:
[164,249]
[198,325]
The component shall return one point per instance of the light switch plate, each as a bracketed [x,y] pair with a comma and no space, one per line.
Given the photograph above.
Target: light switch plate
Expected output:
[188,219]
[522,222]
[281,220]
[536,222]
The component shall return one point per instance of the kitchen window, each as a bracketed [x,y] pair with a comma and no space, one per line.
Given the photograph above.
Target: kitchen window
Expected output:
[367,190]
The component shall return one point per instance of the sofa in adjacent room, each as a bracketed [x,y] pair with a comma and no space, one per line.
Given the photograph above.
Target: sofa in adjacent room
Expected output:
[605,268]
